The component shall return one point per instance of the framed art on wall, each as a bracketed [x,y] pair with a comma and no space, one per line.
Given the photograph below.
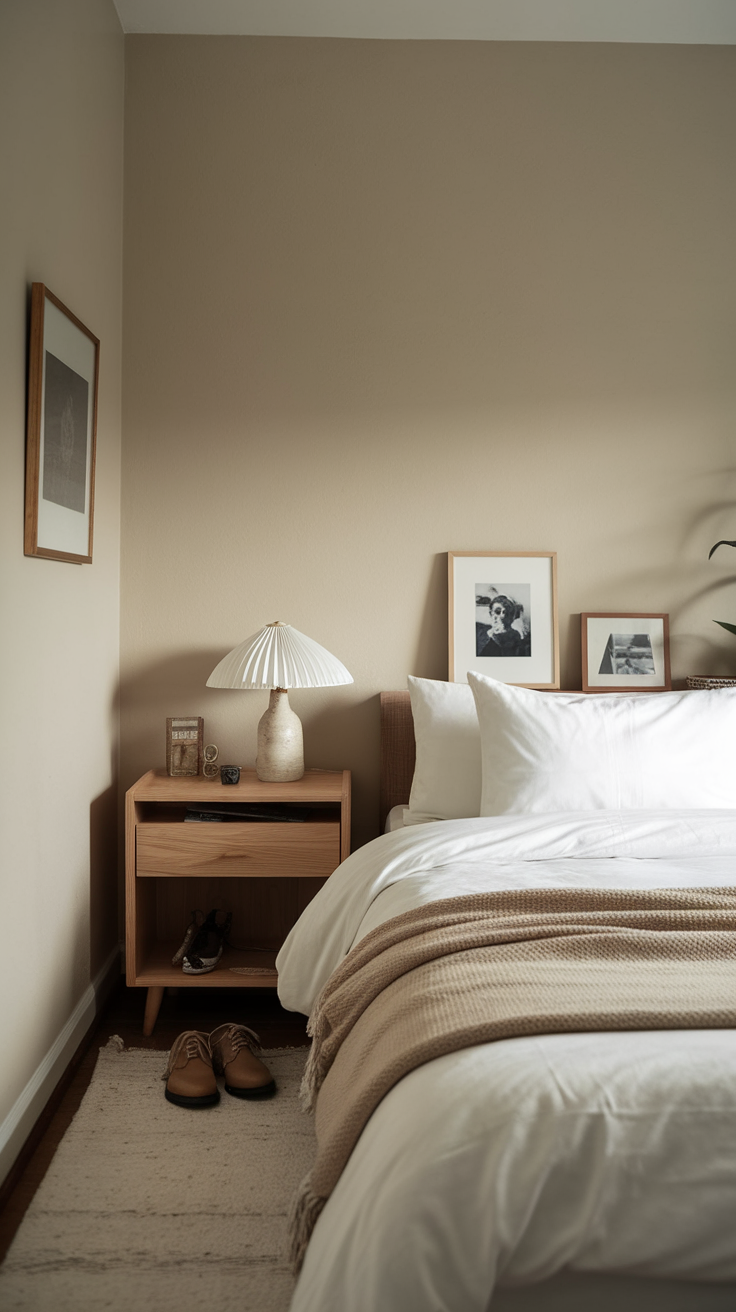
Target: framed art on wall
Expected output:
[503,617]
[625,652]
[63,371]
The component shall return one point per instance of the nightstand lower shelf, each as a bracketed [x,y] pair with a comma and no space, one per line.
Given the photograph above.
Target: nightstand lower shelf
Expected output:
[157,970]
[253,970]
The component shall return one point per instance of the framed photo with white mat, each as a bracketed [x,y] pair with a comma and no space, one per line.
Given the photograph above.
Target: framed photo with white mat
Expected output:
[625,652]
[503,617]
[63,372]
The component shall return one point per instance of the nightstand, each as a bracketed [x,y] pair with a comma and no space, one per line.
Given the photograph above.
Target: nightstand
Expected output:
[264,872]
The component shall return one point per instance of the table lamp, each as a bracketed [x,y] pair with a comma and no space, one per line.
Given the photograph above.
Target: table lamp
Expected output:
[279,658]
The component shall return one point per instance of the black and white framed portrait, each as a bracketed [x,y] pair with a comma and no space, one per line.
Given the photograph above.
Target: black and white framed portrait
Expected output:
[62,423]
[503,617]
[625,652]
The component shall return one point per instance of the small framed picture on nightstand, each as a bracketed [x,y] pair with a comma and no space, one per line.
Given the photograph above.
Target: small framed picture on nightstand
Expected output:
[184,744]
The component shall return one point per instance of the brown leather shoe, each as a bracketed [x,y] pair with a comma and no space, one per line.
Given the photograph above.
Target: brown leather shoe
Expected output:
[232,1055]
[190,1079]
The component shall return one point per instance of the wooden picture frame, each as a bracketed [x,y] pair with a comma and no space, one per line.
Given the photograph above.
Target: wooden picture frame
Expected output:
[625,651]
[504,604]
[63,374]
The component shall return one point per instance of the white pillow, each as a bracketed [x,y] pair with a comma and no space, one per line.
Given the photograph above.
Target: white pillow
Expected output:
[547,752]
[447,774]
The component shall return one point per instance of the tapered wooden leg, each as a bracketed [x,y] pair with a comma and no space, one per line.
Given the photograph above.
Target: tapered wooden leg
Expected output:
[154,998]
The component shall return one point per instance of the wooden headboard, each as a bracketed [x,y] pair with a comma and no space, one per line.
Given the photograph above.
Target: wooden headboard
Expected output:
[398,751]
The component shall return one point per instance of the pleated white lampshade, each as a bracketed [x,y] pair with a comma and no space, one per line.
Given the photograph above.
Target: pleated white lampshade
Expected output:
[279,657]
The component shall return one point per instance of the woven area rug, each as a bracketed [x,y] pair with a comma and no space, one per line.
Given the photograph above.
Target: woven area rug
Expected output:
[151,1206]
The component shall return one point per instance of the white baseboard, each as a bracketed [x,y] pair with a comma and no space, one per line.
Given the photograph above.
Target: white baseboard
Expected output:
[29,1104]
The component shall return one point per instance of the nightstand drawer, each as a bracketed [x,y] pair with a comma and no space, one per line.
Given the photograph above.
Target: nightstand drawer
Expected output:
[309,850]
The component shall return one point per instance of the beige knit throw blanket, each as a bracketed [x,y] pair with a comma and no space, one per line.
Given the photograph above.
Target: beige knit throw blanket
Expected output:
[497,965]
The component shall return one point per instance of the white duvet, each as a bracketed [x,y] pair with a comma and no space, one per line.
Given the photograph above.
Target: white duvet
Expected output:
[513,1160]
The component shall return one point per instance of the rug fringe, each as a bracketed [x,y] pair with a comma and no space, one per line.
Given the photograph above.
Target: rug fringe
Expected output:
[305,1211]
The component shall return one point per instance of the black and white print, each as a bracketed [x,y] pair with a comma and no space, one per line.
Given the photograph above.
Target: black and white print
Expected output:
[628,654]
[503,620]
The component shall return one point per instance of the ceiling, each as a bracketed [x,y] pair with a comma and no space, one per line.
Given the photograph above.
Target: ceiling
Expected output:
[690,22]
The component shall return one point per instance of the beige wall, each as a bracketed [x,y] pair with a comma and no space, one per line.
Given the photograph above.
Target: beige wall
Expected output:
[389,299]
[61,124]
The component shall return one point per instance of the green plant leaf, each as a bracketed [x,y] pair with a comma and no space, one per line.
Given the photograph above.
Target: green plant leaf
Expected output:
[722,543]
[731,627]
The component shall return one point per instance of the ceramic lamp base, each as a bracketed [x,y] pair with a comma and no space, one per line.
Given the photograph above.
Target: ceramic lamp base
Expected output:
[280,756]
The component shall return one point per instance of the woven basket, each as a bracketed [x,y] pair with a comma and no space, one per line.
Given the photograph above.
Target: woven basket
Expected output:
[709,681]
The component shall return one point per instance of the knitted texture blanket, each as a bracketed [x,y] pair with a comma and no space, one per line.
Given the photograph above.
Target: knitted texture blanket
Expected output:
[487,966]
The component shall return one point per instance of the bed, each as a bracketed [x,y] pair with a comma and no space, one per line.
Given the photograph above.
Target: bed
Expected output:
[560,1164]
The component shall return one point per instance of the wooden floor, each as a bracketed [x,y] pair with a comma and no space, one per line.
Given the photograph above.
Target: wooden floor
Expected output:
[188,1009]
